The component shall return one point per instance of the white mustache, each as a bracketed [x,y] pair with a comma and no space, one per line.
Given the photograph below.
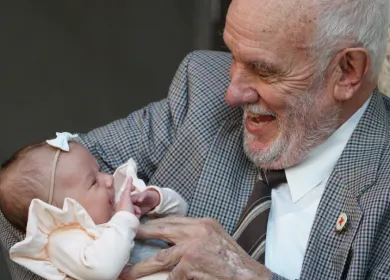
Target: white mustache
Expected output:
[256,109]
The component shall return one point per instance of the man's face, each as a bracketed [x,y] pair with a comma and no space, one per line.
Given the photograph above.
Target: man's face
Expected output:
[287,111]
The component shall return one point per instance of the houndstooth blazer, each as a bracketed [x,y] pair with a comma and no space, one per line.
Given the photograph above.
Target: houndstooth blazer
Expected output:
[192,142]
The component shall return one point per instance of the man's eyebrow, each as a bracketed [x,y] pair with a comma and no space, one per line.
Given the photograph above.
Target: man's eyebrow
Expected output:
[267,67]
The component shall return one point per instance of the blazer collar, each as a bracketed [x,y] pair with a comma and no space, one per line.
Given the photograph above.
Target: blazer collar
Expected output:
[359,162]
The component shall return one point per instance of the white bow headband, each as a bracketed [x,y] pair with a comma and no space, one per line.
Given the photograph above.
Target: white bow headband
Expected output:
[61,142]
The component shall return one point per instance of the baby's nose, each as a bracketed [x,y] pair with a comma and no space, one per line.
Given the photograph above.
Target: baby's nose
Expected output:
[109,181]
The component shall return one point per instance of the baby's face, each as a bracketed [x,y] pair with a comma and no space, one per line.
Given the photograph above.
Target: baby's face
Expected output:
[78,177]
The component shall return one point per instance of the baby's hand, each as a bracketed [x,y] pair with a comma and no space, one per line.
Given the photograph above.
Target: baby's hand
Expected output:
[146,200]
[125,203]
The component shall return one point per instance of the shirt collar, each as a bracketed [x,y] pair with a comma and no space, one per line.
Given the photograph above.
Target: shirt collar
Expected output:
[319,163]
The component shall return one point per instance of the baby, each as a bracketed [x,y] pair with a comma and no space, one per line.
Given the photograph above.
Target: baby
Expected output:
[80,223]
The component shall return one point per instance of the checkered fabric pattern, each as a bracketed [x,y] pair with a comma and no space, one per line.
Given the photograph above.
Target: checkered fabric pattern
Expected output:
[192,142]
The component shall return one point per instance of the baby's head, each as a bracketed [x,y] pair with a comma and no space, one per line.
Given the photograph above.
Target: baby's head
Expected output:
[28,173]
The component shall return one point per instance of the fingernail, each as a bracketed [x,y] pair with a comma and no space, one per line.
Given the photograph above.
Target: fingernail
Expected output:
[126,270]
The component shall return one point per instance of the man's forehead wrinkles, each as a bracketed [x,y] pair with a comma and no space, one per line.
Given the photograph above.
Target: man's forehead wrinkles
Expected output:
[263,19]
[251,37]
[282,39]
[246,49]
[253,6]
[276,18]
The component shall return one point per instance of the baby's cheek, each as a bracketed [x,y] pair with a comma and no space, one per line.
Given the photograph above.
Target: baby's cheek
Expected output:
[102,217]
[100,214]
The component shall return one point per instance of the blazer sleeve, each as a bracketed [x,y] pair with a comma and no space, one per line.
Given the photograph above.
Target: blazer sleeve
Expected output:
[278,277]
[82,257]
[379,267]
[145,135]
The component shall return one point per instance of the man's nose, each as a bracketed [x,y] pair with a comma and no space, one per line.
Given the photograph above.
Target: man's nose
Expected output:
[240,90]
[237,95]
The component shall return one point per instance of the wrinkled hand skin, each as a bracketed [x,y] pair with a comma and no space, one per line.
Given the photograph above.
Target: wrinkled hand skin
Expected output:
[202,250]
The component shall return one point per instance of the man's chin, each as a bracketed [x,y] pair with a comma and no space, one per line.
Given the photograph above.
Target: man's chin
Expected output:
[266,156]
[258,154]
[255,146]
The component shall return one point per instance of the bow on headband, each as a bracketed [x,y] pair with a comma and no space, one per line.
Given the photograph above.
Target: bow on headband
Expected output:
[61,142]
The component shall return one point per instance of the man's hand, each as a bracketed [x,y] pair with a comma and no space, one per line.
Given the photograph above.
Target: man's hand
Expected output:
[202,250]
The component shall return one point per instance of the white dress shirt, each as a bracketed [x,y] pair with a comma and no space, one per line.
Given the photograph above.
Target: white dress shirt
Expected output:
[294,204]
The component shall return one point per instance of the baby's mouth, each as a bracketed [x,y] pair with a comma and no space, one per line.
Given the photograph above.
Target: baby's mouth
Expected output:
[112,202]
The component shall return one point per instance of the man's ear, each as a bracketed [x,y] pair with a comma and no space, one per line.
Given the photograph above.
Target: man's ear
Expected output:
[351,66]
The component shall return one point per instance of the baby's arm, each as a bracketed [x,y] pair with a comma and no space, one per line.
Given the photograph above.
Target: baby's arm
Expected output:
[81,256]
[171,203]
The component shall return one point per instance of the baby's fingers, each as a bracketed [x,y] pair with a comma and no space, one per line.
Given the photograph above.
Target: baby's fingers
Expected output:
[132,187]
[125,203]
[139,198]
[137,211]
[142,197]
[135,197]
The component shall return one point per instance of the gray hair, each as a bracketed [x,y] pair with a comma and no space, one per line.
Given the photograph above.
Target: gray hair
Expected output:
[360,23]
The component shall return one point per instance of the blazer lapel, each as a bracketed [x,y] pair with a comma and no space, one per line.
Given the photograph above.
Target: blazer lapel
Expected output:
[328,250]
[227,178]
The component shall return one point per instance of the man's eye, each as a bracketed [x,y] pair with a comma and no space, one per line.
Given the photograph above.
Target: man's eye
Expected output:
[259,72]
[268,77]
[263,75]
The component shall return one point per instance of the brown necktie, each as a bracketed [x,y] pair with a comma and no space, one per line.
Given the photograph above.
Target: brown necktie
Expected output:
[252,227]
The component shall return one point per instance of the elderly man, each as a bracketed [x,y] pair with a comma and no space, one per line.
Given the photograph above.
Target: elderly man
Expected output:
[305,74]
[316,137]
